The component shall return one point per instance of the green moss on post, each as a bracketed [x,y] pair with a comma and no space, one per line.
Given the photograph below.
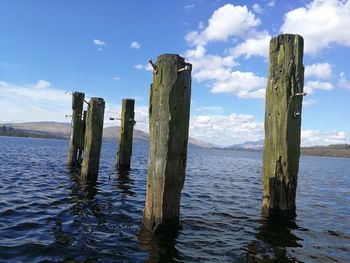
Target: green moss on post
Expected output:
[169,112]
[126,134]
[76,137]
[284,95]
[93,139]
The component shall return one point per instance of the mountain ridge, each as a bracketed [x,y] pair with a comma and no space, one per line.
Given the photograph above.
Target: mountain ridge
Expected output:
[61,130]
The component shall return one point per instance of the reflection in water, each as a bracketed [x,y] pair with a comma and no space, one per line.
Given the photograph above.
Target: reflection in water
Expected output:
[71,236]
[161,245]
[273,239]
[125,183]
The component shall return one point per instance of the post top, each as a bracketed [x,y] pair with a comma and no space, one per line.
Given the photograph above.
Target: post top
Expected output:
[96,99]
[77,93]
[171,57]
[287,37]
[128,99]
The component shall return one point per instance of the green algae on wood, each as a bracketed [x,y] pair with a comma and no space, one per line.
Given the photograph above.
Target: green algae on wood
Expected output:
[126,134]
[76,136]
[284,95]
[169,111]
[93,139]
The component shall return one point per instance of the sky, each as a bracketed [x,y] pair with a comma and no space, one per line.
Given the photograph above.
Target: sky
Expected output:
[50,48]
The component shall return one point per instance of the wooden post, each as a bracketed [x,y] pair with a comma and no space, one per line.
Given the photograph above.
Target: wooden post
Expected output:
[126,133]
[81,148]
[76,138]
[93,139]
[284,95]
[169,112]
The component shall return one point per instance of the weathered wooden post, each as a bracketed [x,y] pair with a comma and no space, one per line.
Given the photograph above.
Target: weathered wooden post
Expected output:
[81,148]
[284,95]
[93,139]
[169,112]
[76,138]
[126,133]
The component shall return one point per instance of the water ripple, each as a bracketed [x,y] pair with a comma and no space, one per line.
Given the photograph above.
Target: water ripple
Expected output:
[48,214]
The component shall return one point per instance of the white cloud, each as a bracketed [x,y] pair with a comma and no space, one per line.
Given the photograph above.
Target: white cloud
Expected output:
[227,21]
[316,137]
[99,42]
[319,70]
[271,3]
[308,102]
[190,6]
[257,45]
[135,45]
[42,84]
[242,84]
[34,102]
[222,78]
[138,66]
[258,9]
[310,86]
[147,67]
[343,82]
[116,78]
[321,23]
[226,129]
[214,109]
[196,53]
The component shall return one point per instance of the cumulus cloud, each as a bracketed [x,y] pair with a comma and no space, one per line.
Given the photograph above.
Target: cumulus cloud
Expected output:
[226,129]
[343,82]
[219,71]
[99,42]
[243,84]
[226,22]
[257,45]
[221,76]
[310,86]
[135,45]
[271,3]
[321,23]
[319,70]
[316,137]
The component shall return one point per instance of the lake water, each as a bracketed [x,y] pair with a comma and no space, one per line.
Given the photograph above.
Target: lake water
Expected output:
[47,214]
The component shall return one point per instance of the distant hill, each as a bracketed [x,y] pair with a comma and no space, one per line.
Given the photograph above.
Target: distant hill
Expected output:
[333,150]
[61,130]
[256,145]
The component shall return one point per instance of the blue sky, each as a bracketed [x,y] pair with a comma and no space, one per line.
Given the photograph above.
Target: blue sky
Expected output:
[49,48]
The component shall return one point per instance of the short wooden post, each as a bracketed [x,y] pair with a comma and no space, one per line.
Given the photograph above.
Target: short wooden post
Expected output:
[126,133]
[169,112]
[76,138]
[93,139]
[284,95]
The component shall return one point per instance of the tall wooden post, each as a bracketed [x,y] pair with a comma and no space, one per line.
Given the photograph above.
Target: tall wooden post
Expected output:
[126,133]
[169,112]
[284,95]
[76,138]
[93,139]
